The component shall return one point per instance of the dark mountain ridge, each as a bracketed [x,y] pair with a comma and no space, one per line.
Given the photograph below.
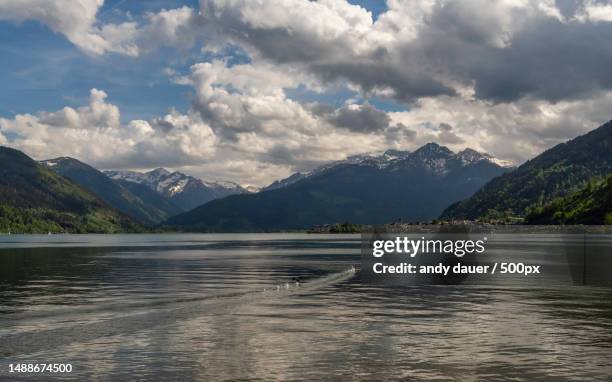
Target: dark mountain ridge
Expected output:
[151,211]
[184,191]
[366,190]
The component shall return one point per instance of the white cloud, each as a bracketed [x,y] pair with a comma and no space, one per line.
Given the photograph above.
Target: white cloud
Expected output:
[252,134]
[595,11]
[94,134]
[247,107]
[76,20]
[492,75]
[513,131]
[178,28]
[98,114]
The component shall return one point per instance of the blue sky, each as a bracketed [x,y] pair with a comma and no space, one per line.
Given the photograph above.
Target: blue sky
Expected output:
[143,84]
[41,70]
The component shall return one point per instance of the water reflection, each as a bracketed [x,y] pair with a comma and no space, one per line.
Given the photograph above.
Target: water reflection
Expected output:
[195,309]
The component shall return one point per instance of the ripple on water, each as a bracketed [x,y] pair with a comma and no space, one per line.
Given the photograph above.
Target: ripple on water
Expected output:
[197,310]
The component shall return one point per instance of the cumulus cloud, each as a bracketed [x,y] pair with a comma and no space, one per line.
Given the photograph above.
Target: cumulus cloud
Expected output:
[98,114]
[593,11]
[248,108]
[332,39]
[447,136]
[94,134]
[359,118]
[494,50]
[501,50]
[241,127]
[70,18]
[514,131]
[178,28]
[76,20]
[512,78]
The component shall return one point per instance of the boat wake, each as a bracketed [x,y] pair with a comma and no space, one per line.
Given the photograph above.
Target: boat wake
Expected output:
[60,328]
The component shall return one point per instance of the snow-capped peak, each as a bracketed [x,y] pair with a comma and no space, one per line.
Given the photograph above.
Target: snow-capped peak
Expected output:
[435,158]
[172,183]
[469,156]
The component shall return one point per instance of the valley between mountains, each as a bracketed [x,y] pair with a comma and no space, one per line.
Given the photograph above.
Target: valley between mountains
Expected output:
[568,184]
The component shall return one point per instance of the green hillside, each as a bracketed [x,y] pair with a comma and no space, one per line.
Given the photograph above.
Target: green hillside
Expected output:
[555,173]
[34,199]
[155,209]
[590,205]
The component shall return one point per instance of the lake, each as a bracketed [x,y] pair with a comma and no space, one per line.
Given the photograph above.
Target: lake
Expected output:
[227,307]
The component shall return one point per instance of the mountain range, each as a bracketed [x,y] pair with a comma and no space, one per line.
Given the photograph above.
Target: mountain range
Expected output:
[385,160]
[555,173]
[148,198]
[365,189]
[568,184]
[143,205]
[184,191]
[34,199]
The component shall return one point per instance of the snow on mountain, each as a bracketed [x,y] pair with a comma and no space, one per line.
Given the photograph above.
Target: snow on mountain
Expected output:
[472,156]
[432,156]
[185,190]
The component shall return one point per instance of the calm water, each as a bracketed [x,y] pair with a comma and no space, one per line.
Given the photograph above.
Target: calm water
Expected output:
[216,307]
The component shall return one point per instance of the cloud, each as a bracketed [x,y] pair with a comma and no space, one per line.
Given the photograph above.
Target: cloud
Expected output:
[499,50]
[177,28]
[512,78]
[94,134]
[358,118]
[247,107]
[333,40]
[76,20]
[538,65]
[447,136]
[98,114]
[246,99]
[594,11]
[492,50]
[292,136]
[515,131]
[241,127]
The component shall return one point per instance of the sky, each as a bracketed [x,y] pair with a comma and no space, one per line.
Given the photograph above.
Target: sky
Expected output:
[254,90]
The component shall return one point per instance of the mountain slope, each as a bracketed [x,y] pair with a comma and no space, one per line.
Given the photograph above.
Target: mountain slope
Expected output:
[555,173]
[152,199]
[416,186]
[387,160]
[182,190]
[150,212]
[34,199]
[590,205]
